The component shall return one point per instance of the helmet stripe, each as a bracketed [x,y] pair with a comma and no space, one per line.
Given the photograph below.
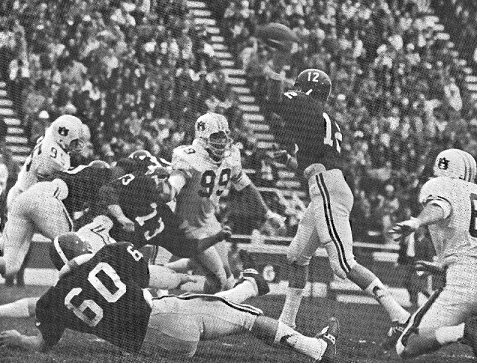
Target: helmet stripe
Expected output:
[59,250]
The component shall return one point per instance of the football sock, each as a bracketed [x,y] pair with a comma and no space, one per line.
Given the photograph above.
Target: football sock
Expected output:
[383,296]
[243,291]
[450,334]
[291,306]
[16,309]
[311,347]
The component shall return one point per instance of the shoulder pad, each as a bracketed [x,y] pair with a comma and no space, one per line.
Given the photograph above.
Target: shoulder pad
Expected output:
[436,188]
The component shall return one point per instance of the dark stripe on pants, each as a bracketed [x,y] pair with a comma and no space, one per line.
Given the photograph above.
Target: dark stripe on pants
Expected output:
[331,227]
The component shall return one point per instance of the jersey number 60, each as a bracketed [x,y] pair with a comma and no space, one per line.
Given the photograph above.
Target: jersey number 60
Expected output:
[110,297]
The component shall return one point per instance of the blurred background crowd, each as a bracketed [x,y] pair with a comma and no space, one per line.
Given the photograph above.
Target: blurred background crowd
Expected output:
[138,74]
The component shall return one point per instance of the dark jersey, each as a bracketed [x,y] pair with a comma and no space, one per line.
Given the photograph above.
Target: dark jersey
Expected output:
[309,131]
[154,221]
[103,297]
[83,184]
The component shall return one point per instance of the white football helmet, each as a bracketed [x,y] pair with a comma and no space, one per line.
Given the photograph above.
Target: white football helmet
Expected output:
[67,131]
[455,164]
[212,131]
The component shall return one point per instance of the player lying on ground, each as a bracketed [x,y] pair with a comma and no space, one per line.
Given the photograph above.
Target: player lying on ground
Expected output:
[450,211]
[312,147]
[201,173]
[107,296]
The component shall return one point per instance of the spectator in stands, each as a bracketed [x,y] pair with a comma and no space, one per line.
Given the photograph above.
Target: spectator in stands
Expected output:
[39,126]
[3,215]
[387,210]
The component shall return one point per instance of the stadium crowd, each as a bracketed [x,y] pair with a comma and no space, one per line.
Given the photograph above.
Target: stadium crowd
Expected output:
[138,73]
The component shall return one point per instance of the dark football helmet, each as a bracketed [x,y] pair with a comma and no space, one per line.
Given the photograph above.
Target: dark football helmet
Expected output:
[144,160]
[67,246]
[99,164]
[314,83]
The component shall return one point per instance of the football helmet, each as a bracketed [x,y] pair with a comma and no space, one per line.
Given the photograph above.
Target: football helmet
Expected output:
[67,246]
[99,164]
[455,164]
[212,131]
[314,83]
[67,132]
[144,161]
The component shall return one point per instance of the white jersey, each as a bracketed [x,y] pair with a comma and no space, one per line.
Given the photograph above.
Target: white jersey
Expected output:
[455,236]
[46,158]
[205,182]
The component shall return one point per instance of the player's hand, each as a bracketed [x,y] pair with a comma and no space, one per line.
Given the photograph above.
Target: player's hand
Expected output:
[281,156]
[127,224]
[10,338]
[404,229]
[431,268]
[276,220]
[225,233]
[185,278]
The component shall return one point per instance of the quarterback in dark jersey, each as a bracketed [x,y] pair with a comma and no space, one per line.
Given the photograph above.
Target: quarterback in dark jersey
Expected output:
[313,148]
[105,295]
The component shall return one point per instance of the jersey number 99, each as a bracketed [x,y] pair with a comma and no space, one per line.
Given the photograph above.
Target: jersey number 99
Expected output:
[207,182]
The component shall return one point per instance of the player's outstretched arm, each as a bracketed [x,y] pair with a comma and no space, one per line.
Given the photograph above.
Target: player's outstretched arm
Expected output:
[12,338]
[23,308]
[276,220]
[431,214]
[285,158]
[207,242]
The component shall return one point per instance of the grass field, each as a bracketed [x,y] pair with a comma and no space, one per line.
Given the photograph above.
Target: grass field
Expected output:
[363,327]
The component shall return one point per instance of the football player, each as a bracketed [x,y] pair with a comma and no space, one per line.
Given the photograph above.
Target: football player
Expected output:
[450,211]
[106,296]
[140,215]
[47,207]
[312,147]
[201,173]
[50,154]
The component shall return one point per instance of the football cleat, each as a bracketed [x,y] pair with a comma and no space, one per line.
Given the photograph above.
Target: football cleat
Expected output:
[470,334]
[394,332]
[262,285]
[329,334]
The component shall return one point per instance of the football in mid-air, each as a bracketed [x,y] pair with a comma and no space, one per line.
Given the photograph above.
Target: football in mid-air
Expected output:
[277,36]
